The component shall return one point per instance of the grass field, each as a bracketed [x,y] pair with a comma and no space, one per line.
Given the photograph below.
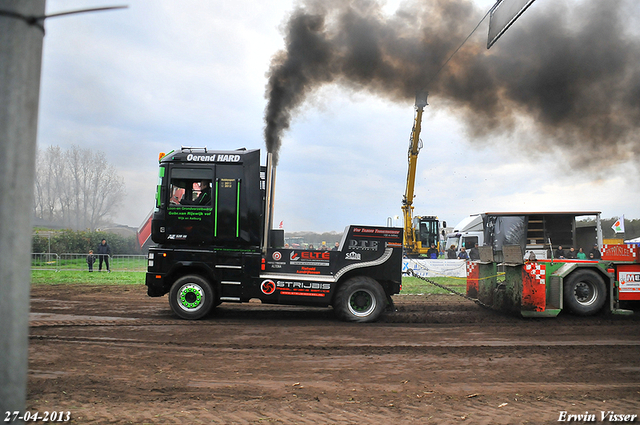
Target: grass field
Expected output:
[51,277]
[410,285]
[78,262]
[415,286]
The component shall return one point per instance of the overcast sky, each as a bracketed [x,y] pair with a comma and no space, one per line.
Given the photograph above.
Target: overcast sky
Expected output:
[161,74]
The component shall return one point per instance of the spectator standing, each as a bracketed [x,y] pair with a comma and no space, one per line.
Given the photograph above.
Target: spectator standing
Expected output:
[90,260]
[432,252]
[581,255]
[463,254]
[596,253]
[474,253]
[451,253]
[104,251]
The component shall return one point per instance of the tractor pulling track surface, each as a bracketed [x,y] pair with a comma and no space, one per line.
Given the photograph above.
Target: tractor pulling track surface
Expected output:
[113,355]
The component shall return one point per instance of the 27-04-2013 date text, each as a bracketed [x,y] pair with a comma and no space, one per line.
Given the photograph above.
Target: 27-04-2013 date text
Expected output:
[27,416]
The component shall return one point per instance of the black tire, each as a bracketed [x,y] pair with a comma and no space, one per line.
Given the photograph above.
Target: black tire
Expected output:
[191,297]
[584,292]
[360,299]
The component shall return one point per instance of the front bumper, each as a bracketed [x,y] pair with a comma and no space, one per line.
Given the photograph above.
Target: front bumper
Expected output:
[155,284]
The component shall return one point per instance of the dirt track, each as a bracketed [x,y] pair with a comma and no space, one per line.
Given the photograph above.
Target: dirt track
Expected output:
[113,355]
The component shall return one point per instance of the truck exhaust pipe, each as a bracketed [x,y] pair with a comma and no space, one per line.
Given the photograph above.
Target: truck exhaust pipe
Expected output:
[270,175]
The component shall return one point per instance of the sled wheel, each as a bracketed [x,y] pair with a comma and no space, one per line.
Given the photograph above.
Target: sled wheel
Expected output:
[584,292]
[360,299]
[191,297]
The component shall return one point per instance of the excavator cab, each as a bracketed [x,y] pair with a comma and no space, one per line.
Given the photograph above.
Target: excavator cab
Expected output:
[427,231]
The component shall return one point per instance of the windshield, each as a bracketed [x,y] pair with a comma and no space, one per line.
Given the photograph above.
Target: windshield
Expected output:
[453,240]
[428,232]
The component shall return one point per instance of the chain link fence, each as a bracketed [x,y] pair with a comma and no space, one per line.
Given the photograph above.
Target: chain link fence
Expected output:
[80,262]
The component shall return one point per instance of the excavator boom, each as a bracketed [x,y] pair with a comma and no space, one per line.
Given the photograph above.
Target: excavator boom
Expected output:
[419,232]
[407,202]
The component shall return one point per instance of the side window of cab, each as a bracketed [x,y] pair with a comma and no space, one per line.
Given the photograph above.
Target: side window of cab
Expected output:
[190,187]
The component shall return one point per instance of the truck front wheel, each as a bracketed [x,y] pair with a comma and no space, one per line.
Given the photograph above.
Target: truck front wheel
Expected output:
[360,299]
[191,297]
[584,292]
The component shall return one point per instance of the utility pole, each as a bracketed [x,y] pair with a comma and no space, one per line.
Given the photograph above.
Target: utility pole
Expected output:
[21,40]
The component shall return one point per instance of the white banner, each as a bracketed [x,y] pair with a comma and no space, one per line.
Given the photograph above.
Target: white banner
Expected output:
[434,268]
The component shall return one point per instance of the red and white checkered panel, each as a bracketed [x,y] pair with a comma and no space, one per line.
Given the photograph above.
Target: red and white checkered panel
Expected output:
[538,271]
[471,267]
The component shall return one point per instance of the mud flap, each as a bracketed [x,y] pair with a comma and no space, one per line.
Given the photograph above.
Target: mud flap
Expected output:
[508,294]
[534,287]
[391,308]
[473,273]
[487,282]
[534,291]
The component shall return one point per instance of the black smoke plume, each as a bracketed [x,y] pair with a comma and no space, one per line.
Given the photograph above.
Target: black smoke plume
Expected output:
[566,75]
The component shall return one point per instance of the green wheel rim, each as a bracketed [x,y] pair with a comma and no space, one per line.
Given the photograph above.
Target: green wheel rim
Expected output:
[191,297]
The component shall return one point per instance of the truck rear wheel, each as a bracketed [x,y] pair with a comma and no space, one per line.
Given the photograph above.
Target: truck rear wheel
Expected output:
[191,297]
[584,292]
[360,299]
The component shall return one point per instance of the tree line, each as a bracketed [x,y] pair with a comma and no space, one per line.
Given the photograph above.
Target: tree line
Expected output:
[76,187]
[80,242]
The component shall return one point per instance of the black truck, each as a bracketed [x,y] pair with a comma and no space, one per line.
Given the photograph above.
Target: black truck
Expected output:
[212,226]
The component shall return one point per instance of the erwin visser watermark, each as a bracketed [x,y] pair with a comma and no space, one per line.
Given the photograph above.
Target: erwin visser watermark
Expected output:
[604,416]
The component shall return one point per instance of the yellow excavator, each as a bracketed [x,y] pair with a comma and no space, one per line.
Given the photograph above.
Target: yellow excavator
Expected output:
[419,231]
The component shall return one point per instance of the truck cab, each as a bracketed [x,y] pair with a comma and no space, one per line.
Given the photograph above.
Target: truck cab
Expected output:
[467,233]
[211,212]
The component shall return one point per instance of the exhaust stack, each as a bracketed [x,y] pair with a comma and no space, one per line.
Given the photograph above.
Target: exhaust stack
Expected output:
[268,209]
